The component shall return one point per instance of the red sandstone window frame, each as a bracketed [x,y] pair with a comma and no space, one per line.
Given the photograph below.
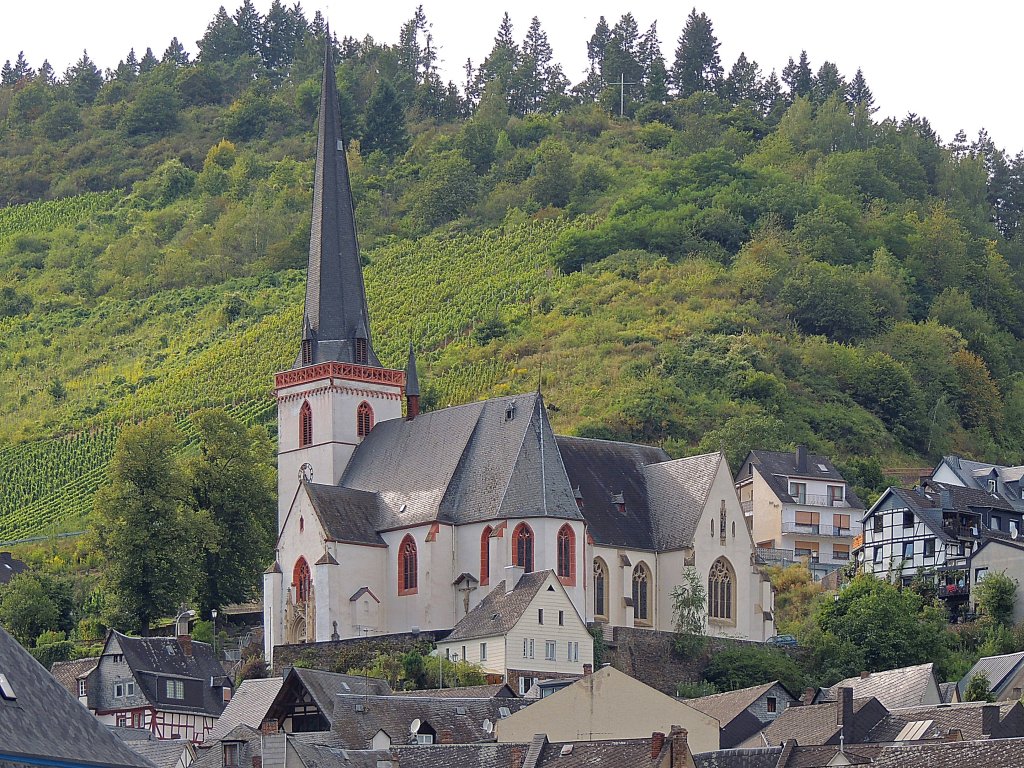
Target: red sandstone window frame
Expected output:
[566,549]
[305,424]
[364,419]
[485,556]
[408,576]
[302,580]
[522,547]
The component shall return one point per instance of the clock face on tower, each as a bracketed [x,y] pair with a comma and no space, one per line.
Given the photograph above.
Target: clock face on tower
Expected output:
[306,472]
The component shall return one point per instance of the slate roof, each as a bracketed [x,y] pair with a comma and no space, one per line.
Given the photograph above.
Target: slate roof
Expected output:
[458,755]
[927,504]
[335,307]
[764,757]
[248,706]
[322,756]
[347,515]
[612,753]
[47,722]
[679,493]
[903,687]
[163,753]
[464,464]
[497,691]
[946,691]
[602,469]
[67,672]
[499,611]
[324,686]
[777,466]
[356,719]
[10,567]
[818,724]
[1001,753]
[725,707]
[965,717]
[999,670]
[252,743]
[153,659]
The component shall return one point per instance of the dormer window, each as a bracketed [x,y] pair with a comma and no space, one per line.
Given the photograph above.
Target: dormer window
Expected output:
[175,689]
[231,754]
[992,485]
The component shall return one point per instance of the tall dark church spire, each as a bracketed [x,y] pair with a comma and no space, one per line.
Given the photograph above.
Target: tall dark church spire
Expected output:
[336,325]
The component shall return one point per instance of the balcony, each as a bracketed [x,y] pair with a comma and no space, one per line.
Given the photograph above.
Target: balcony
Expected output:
[819,500]
[948,591]
[747,507]
[802,528]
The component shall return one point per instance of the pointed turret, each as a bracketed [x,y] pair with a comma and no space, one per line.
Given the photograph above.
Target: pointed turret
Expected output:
[336,313]
[412,387]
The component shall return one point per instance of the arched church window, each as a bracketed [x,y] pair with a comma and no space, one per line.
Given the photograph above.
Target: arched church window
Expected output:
[522,547]
[566,555]
[485,556]
[721,591]
[600,588]
[642,593]
[407,574]
[364,419]
[305,425]
[302,581]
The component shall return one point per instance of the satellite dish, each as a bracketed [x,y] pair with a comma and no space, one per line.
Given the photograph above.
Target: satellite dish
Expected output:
[1015,534]
[488,726]
[414,726]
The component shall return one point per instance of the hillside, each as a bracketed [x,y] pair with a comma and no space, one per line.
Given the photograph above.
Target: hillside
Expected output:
[731,263]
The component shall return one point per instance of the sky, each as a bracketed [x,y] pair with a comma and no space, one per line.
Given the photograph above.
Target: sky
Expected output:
[955,63]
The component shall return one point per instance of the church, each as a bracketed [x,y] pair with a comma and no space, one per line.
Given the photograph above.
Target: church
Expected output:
[391,520]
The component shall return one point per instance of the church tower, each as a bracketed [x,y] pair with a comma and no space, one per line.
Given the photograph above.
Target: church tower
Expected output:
[337,389]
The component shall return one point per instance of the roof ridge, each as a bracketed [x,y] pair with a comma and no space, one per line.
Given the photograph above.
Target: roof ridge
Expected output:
[613,442]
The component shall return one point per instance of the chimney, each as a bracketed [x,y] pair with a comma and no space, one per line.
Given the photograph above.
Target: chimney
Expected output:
[513,573]
[989,719]
[801,458]
[808,698]
[446,737]
[412,387]
[185,641]
[681,757]
[579,496]
[865,675]
[620,503]
[844,713]
[953,734]
[657,742]
[269,727]
[516,758]
[588,669]
[257,761]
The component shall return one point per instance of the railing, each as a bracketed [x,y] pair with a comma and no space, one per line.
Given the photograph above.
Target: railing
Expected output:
[747,507]
[800,528]
[840,555]
[946,591]
[842,532]
[820,500]
[773,554]
[817,529]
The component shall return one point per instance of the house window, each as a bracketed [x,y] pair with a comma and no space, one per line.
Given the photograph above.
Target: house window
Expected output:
[549,650]
[485,556]
[929,547]
[525,684]
[992,485]
[908,519]
[799,492]
[522,547]
[772,704]
[82,689]
[122,721]
[836,495]
[230,755]
[879,523]
[842,524]
[806,549]
[840,551]
[878,555]
[808,521]
[302,581]
[426,734]
[1014,527]
[566,555]
[908,550]
[305,425]
[600,588]
[980,574]
[995,523]
[118,690]
[483,651]
[561,618]
[364,419]
[407,567]
[573,651]
[531,649]
[540,615]
[721,593]
[175,689]
[641,593]
[129,688]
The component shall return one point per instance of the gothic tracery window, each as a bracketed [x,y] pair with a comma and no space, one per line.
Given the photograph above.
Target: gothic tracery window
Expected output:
[600,588]
[641,593]
[305,425]
[364,419]
[485,556]
[721,591]
[566,551]
[522,547]
[407,574]
[302,581]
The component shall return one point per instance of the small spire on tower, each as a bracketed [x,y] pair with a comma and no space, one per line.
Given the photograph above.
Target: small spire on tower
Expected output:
[412,386]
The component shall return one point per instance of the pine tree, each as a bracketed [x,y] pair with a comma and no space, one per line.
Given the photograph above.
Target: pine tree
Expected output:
[502,62]
[744,82]
[771,100]
[22,71]
[858,92]
[250,29]
[175,53]
[384,122]
[46,73]
[7,74]
[697,65]
[534,72]
[279,39]
[83,80]
[798,77]
[148,62]
[221,41]
[622,63]
[653,71]
[827,82]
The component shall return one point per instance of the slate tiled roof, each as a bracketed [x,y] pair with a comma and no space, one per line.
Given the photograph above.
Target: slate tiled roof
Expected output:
[347,515]
[725,707]
[68,672]
[251,742]
[464,464]
[777,466]
[821,756]
[163,753]
[613,753]
[1001,753]
[765,757]
[10,567]
[356,719]
[946,691]
[499,611]
[497,691]
[818,724]
[324,686]
[153,659]
[679,493]
[458,755]
[999,669]
[47,722]
[601,470]
[248,706]
[965,718]
[903,687]
[320,756]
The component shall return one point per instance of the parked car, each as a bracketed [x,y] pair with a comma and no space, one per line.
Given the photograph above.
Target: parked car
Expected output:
[785,640]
